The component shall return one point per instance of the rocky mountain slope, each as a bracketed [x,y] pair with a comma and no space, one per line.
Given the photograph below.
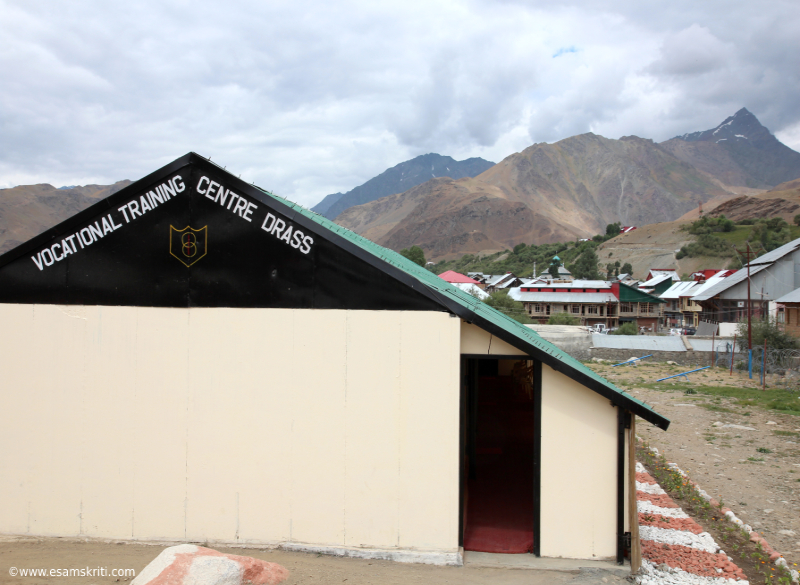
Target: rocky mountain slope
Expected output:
[401,178]
[546,193]
[740,151]
[575,187]
[28,210]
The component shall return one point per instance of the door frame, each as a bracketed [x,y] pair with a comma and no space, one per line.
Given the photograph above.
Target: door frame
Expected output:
[468,377]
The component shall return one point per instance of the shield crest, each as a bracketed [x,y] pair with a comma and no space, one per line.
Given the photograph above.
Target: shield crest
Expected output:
[188,245]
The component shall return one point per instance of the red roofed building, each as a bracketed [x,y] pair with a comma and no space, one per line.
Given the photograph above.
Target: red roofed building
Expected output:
[453,277]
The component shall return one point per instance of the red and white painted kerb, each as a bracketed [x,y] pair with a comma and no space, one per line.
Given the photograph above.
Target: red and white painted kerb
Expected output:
[655,491]
[675,549]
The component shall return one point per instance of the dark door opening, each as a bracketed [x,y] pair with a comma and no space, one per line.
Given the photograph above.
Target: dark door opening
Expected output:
[499,425]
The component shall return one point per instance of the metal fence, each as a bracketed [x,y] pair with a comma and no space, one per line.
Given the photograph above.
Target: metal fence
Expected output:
[782,366]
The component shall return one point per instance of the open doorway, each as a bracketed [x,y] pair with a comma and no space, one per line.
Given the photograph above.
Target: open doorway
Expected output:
[500,455]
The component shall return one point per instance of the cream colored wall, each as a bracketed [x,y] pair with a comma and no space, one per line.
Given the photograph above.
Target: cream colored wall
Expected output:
[475,340]
[579,470]
[332,428]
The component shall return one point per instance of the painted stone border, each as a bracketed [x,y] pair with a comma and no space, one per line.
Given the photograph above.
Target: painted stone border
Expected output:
[774,556]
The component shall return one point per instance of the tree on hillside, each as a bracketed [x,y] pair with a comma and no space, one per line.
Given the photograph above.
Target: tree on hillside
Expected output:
[626,269]
[585,267]
[415,254]
[612,230]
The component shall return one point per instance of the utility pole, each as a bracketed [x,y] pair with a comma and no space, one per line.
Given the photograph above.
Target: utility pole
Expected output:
[749,323]
[749,320]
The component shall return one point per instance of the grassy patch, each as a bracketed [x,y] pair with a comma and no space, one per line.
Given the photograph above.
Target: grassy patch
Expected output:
[786,433]
[770,399]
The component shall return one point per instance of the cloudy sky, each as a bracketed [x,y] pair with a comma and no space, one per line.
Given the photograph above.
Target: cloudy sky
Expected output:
[310,98]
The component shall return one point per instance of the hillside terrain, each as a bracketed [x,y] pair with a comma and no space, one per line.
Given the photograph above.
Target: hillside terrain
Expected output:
[401,178]
[28,210]
[573,188]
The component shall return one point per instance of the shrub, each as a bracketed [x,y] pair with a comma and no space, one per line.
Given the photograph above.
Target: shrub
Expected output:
[628,328]
[765,329]
[563,319]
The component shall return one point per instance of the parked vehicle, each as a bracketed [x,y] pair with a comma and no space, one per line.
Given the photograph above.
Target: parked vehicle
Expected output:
[690,331]
[599,328]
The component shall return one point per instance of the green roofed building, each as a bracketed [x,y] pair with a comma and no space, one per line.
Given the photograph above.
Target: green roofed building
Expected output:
[196,359]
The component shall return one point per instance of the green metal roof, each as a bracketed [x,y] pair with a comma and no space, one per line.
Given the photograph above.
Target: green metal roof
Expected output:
[474,311]
[630,294]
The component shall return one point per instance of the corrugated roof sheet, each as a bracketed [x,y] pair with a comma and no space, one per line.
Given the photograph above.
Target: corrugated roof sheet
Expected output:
[792,297]
[561,297]
[679,289]
[484,315]
[715,286]
[495,278]
[776,254]
[639,342]
[756,265]
[656,279]
[472,289]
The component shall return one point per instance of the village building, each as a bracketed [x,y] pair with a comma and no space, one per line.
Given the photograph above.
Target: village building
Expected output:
[639,307]
[678,303]
[465,283]
[194,359]
[771,276]
[788,309]
[495,282]
[563,274]
[656,272]
[590,301]
[627,279]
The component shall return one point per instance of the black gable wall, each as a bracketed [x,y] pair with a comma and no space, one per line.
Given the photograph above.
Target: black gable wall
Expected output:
[250,251]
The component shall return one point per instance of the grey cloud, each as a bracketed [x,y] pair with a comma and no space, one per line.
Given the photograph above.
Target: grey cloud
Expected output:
[311,98]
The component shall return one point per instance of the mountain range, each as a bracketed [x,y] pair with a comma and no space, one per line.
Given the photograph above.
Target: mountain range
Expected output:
[574,187]
[401,178]
[553,192]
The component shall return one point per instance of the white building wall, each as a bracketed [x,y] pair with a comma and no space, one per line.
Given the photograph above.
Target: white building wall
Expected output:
[579,470]
[319,428]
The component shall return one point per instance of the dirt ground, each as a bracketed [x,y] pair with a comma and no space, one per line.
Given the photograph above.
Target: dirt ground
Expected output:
[755,472]
[49,553]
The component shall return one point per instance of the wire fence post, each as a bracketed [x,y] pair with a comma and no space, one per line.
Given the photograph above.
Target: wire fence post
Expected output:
[712,348]
[750,363]
[733,354]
